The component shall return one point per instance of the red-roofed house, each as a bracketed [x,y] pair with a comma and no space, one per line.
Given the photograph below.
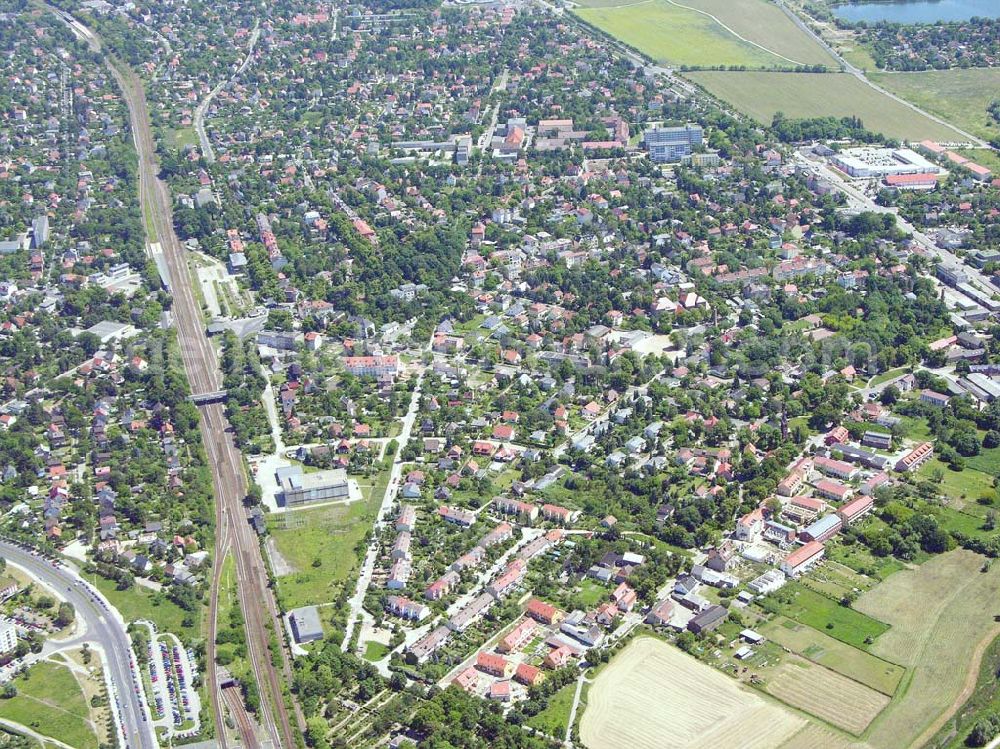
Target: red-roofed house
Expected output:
[802,559]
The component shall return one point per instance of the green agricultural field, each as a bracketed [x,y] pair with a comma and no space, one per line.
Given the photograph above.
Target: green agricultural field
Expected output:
[50,702]
[765,24]
[984,701]
[321,546]
[808,607]
[941,616]
[820,648]
[668,33]
[760,94]
[959,96]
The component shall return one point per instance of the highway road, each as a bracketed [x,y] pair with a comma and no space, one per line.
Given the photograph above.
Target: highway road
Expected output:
[105,627]
[233,533]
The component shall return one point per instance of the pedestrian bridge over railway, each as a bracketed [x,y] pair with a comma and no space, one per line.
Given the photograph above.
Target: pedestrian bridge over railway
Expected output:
[203,399]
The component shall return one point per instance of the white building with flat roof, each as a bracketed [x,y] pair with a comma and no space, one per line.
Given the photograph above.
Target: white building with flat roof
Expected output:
[298,487]
[882,162]
[8,636]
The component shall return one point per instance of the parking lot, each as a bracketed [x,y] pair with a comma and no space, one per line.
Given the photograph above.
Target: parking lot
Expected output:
[175,702]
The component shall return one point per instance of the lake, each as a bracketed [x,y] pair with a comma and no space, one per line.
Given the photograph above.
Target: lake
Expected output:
[918,11]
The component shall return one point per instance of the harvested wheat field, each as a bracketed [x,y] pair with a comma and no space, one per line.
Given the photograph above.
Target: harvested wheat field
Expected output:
[826,694]
[653,696]
[941,616]
[813,736]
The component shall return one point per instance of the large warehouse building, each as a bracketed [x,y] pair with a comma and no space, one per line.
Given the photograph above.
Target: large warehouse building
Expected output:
[882,162]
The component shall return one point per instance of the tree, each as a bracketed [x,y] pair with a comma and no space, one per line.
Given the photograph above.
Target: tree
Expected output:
[890,395]
[316,731]
[66,615]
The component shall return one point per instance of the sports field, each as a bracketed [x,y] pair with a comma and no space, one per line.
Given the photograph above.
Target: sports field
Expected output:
[941,617]
[826,694]
[760,94]
[820,648]
[653,696]
[959,96]
[671,34]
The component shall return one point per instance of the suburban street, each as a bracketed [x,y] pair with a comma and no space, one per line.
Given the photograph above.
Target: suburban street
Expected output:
[199,112]
[356,602]
[105,628]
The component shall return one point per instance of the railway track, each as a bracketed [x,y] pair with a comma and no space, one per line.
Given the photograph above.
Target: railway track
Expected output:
[225,461]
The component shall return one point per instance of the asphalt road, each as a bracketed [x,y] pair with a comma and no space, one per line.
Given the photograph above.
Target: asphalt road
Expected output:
[105,628]
[356,602]
[199,113]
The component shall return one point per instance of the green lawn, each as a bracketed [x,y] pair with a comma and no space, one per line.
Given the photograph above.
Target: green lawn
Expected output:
[989,159]
[231,634]
[142,603]
[320,544]
[891,374]
[805,606]
[858,56]
[50,701]
[182,137]
[553,719]
[969,522]
[761,94]
[859,558]
[915,429]
[679,36]
[820,648]
[960,96]
[375,651]
[988,461]
[967,483]
[591,593]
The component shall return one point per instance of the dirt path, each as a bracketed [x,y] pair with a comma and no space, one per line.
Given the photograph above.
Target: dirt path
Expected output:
[971,678]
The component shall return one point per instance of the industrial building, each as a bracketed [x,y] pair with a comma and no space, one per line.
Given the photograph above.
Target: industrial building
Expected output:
[298,488]
[882,162]
[306,626]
